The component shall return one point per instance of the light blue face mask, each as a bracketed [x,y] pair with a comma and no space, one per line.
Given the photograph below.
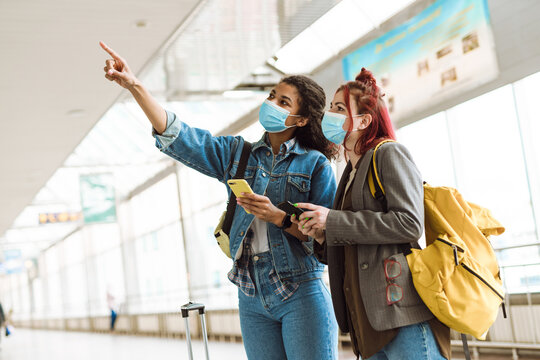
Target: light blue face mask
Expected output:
[332,127]
[272,117]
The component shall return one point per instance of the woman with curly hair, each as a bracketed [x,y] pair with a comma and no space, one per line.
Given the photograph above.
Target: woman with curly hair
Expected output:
[285,309]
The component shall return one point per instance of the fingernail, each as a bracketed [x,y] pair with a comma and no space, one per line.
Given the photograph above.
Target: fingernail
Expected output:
[110,72]
[293,215]
[302,226]
[296,204]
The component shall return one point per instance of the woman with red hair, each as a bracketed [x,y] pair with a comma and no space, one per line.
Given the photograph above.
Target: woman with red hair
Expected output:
[363,240]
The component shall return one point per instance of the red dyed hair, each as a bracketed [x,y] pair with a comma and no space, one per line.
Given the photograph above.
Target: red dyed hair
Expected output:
[368,98]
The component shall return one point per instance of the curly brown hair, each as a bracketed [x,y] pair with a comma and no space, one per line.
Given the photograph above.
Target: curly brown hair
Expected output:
[312,104]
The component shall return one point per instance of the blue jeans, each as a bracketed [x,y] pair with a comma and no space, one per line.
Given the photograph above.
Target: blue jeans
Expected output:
[415,342]
[298,328]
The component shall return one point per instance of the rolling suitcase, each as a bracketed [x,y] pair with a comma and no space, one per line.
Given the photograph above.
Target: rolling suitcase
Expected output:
[185,314]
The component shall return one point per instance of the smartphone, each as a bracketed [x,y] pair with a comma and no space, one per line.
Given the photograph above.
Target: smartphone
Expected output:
[239,186]
[290,209]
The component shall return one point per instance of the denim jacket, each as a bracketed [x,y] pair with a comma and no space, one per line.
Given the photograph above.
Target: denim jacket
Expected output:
[296,174]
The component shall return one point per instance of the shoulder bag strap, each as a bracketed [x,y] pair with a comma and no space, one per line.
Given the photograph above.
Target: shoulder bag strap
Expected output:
[374,182]
[231,206]
[465,347]
[377,190]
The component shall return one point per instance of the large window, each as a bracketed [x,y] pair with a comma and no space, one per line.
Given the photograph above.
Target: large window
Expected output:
[75,294]
[156,246]
[104,265]
[429,142]
[203,201]
[485,148]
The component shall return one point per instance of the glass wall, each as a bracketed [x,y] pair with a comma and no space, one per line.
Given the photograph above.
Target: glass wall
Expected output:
[75,297]
[485,148]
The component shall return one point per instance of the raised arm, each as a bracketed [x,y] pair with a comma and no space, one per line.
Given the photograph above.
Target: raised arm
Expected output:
[117,70]
[193,147]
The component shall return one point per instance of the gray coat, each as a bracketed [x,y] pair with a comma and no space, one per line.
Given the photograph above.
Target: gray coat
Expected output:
[377,236]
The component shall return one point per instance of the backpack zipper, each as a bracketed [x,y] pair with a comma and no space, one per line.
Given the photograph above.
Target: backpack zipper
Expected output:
[482,280]
[451,244]
[456,249]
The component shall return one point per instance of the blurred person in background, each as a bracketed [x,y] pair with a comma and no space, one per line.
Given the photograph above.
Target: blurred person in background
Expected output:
[285,308]
[2,319]
[8,324]
[113,307]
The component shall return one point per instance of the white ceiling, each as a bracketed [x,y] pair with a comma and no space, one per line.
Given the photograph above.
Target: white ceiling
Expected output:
[50,66]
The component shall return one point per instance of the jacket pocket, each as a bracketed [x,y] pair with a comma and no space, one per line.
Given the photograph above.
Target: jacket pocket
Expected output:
[298,188]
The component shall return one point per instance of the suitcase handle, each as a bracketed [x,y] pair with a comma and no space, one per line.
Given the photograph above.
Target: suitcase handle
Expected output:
[186,308]
[190,306]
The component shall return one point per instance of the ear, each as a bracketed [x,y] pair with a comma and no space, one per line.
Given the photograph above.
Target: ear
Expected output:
[302,121]
[365,121]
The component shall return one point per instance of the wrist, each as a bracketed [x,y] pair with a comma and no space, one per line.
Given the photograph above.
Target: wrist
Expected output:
[136,87]
[278,221]
[321,238]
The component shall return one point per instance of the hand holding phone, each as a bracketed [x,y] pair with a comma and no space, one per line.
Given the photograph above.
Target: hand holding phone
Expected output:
[290,209]
[239,186]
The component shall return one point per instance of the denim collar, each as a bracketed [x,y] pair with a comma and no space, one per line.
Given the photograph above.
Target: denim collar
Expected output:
[289,146]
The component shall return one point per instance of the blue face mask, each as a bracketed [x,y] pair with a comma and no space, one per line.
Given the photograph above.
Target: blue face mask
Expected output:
[272,117]
[332,127]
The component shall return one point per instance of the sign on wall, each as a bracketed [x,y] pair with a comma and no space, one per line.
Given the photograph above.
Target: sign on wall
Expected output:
[446,49]
[98,198]
[56,218]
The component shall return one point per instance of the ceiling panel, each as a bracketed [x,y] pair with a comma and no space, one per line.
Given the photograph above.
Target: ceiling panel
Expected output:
[52,90]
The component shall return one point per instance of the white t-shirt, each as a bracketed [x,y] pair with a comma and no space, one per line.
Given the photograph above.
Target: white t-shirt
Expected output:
[260,236]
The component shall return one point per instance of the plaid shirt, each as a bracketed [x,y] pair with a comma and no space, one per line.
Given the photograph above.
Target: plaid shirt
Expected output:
[239,274]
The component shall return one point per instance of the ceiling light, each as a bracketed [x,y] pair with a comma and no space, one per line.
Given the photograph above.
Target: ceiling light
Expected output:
[351,19]
[76,113]
[141,23]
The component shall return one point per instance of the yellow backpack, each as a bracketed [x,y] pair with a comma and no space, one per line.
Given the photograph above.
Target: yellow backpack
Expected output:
[456,275]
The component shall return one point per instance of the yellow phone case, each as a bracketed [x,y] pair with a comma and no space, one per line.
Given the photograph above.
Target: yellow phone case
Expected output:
[239,186]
